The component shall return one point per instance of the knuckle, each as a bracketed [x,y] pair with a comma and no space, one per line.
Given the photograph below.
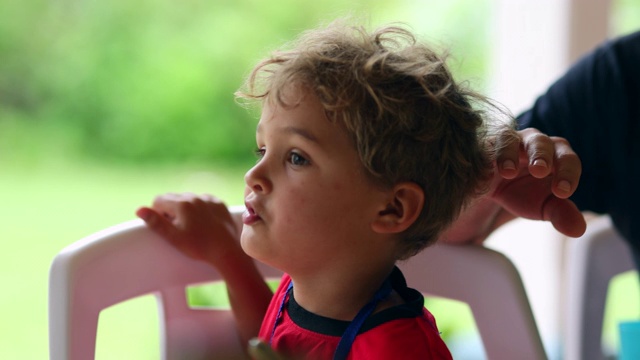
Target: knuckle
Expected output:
[570,163]
[539,138]
[185,206]
[529,131]
[560,140]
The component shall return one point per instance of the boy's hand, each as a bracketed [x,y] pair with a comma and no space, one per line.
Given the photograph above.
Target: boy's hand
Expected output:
[199,226]
[259,350]
[535,178]
[202,228]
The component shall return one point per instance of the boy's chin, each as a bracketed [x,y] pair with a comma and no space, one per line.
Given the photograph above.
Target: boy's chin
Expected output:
[252,246]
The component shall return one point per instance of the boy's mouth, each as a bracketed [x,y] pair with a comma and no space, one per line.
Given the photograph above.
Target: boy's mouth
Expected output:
[250,216]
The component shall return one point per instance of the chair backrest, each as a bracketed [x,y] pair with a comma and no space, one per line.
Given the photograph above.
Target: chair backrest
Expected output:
[491,285]
[592,261]
[128,260]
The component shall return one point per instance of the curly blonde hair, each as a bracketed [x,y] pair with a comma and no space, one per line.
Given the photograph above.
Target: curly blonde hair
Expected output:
[397,100]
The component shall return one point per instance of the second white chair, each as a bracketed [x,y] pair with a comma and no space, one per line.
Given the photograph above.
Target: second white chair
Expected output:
[592,261]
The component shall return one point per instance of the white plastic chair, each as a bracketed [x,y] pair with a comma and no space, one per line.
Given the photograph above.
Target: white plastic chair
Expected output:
[592,261]
[490,284]
[128,260]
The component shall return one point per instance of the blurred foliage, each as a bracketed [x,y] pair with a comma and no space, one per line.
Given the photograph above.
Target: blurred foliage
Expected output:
[152,80]
[625,16]
[143,80]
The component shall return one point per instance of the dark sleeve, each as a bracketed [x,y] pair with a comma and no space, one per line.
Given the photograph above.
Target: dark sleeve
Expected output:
[595,106]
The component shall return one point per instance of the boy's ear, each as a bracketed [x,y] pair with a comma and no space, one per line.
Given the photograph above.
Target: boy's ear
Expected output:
[402,209]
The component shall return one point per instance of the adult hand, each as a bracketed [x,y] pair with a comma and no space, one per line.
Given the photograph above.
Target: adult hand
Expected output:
[535,178]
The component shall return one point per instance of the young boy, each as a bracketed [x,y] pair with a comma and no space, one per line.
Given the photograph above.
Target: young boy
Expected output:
[367,150]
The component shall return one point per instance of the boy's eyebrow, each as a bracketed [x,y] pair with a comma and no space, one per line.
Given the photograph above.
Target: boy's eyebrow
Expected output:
[296,130]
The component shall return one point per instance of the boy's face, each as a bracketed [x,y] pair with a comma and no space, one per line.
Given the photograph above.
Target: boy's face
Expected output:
[309,202]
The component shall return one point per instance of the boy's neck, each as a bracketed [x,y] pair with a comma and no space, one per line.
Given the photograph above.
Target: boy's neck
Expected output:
[339,295]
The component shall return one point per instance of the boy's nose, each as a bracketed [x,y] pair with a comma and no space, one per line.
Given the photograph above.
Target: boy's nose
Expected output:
[257,180]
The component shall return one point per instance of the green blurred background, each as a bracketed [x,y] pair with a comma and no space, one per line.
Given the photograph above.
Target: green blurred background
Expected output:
[105,104]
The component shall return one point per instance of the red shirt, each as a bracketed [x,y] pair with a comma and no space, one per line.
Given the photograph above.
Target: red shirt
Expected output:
[406,331]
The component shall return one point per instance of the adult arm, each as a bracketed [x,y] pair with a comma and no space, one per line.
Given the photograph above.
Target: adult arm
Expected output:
[595,107]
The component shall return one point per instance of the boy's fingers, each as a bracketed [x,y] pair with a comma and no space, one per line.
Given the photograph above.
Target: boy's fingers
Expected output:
[259,350]
[156,222]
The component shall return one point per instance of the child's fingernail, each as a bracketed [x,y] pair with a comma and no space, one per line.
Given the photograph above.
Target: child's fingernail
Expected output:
[143,214]
[540,162]
[508,165]
[564,186]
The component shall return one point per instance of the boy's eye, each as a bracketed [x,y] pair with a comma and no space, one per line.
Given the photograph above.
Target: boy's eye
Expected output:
[259,152]
[297,159]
